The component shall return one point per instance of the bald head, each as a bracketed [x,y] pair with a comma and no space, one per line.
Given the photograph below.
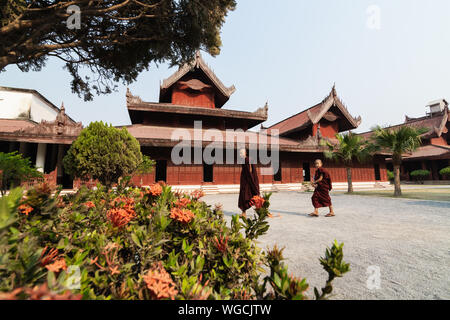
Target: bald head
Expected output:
[318,163]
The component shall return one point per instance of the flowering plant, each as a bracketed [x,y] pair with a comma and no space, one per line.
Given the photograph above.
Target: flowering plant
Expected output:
[129,246]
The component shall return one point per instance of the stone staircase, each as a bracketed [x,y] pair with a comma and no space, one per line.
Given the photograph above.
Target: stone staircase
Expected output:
[210,189]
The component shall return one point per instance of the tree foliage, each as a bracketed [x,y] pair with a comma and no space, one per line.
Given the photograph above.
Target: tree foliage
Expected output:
[445,173]
[117,39]
[105,153]
[349,149]
[397,142]
[14,169]
[420,175]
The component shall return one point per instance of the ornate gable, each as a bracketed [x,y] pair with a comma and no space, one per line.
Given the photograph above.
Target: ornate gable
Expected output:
[61,126]
[221,92]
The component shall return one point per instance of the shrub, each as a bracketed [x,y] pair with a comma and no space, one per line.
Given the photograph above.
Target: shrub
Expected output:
[420,175]
[105,153]
[390,175]
[14,169]
[145,251]
[445,173]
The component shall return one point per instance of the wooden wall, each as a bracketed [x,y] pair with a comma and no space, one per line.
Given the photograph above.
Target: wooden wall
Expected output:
[193,98]
[291,170]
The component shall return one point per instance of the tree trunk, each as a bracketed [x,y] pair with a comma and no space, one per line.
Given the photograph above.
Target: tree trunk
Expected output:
[349,180]
[398,190]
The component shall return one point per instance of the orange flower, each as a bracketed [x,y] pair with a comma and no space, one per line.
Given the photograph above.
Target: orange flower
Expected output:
[48,257]
[257,202]
[57,265]
[181,215]
[197,194]
[182,203]
[123,202]
[159,283]
[41,292]
[89,204]
[123,211]
[155,189]
[25,209]
[120,217]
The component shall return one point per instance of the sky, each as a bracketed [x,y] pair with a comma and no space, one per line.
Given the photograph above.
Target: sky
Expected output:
[388,59]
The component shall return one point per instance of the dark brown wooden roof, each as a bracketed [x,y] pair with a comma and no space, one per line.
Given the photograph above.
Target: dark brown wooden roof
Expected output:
[198,64]
[314,114]
[135,104]
[437,124]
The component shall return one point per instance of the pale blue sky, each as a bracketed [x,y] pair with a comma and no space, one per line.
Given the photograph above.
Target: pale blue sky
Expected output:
[290,52]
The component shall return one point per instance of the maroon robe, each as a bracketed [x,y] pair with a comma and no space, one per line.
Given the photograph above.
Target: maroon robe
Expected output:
[249,185]
[321,197]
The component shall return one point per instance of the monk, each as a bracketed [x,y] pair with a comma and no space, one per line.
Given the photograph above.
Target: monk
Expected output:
[322,184]
[249,183]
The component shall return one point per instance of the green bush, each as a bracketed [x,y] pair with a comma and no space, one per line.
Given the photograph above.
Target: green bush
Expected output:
[445,173]
[390,175]
[104,153]
[420,175]
[142,243]
[14,170]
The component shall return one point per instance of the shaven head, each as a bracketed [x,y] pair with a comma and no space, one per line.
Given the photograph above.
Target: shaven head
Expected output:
[318,163]
[243,153]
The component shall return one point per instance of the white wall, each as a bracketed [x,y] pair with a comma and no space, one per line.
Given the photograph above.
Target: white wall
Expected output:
[13,103]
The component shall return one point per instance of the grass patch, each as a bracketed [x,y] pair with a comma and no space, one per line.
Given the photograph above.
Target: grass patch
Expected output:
[421,194]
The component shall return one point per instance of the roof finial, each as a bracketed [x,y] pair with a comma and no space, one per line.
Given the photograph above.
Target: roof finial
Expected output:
[198,57]
[62,106]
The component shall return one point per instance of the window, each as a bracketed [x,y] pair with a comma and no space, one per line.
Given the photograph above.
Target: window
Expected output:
[161,170]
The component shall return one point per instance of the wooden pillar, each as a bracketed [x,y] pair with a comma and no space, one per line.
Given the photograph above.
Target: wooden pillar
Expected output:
[23,148]
[40,156]
[434,170]
[59,163]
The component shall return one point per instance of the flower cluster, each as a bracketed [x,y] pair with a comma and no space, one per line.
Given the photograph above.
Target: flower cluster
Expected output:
[181,215]
[257,202]
[182,202]
[197,194]
[122,211]
[25,209]
[52,261]
[57,266]
[119,217]
[41,292]
[155,189]
[89,204]
[159,283]
[110,253]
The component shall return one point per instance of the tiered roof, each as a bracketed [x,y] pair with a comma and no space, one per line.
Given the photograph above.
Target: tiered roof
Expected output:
[198,64]
[313,115]
[437,125]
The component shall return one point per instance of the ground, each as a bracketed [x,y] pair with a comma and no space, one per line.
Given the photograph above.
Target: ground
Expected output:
[409,240]
[414,192]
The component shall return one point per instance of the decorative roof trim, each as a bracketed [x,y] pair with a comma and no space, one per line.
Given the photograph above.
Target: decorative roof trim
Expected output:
[331,100]
[198,63]
[260,114]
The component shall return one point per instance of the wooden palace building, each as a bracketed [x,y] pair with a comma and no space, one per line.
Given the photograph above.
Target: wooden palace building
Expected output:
[190,108]
[434,154]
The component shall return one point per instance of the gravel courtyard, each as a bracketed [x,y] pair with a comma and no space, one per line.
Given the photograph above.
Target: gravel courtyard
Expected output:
[409,240]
